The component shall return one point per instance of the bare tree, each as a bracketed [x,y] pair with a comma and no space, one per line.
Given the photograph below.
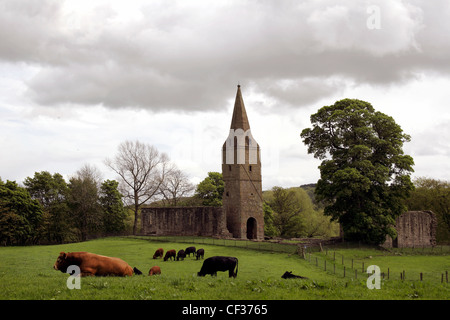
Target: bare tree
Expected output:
[175,186]
[142,170]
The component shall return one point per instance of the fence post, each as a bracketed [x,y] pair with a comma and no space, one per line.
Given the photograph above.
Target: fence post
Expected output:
[356,274]
[362,269]
[388,273]
[421,276]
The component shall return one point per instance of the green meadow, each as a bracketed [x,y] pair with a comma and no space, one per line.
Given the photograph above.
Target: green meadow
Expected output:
[27,273]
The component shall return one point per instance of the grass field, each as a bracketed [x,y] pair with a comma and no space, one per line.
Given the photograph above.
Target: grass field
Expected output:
[27,273]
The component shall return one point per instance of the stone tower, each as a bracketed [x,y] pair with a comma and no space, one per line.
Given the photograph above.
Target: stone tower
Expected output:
[241,169]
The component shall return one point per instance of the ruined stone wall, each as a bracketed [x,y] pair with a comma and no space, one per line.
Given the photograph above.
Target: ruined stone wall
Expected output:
[414,229]
[184,221]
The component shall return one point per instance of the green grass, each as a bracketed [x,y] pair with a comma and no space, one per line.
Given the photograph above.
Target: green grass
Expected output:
[27,273]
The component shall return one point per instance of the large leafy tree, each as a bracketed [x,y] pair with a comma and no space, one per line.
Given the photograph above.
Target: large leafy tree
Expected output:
[20,215]
[210,190]
[51,191]
[364,175]
[83,201]
[114,212]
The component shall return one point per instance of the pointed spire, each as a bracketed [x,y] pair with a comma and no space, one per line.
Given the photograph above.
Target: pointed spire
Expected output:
[239,120]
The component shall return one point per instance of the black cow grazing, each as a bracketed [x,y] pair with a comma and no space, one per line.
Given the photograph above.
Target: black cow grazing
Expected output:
[289,275]
[170,254]
[218,263]
[200,253]
[190,250]
[181,255]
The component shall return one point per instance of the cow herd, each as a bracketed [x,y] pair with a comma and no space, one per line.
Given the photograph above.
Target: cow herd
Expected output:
[210,265]
[172,254]
[91,264]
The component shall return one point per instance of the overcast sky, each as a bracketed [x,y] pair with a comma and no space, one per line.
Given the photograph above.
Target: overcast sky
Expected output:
[79,77]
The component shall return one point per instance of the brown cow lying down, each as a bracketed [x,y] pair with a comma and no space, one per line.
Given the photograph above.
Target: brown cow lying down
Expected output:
[91,264]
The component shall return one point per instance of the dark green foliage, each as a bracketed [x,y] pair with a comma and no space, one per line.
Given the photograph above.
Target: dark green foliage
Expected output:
[51,191]
[20,216]
[210,190]
[364,173]
[114,213]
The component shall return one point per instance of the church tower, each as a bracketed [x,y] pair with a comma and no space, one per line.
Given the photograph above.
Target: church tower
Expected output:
[241,169]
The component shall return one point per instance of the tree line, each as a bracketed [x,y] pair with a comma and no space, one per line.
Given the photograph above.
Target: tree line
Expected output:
[49,209]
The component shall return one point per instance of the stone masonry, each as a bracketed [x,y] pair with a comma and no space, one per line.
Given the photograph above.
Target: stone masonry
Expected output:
[242,213]
[184,221]
[414,229]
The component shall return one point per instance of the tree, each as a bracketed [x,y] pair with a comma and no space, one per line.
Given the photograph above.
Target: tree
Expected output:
[114,213]
[20,216]
[434,195]
[142,170]
[83,201]
[210,190]
[364,175]
[286,208]
[51,190]
[175,186]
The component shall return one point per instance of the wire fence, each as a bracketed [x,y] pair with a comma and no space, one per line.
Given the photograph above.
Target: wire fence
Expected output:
[356,268]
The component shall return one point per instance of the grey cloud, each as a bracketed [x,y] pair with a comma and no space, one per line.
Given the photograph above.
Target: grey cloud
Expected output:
[183,56]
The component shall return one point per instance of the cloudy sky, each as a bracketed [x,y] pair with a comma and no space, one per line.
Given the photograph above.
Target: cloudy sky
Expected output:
[79,77]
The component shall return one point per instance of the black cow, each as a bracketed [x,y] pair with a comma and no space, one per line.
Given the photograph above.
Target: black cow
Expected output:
[181,255]
[218,263]
[289,275]
[200,253]
[190,250]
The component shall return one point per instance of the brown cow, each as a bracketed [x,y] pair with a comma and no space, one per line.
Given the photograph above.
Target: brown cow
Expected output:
[154,270]
[170,254]
[91,264]
[158,253]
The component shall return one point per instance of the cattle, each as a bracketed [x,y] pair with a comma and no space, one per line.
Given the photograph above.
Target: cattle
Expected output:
[170,254]
[154,270]
[137,271]
[219,263]
[92,264]
[190,250]
[158,253]
[200,253]
[289,275]
[181,255]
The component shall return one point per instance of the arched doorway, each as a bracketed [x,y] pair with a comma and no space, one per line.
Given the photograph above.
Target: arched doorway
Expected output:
[251,228]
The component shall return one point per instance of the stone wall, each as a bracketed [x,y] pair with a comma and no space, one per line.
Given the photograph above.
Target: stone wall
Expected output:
[184,221]
[414,229]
